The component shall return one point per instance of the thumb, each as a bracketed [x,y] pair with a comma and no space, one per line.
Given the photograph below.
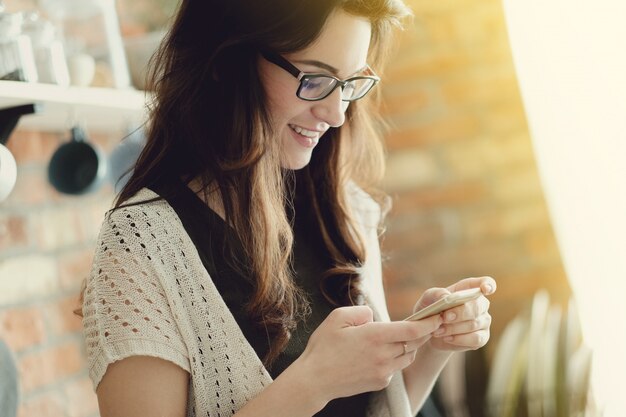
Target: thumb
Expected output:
[430,296]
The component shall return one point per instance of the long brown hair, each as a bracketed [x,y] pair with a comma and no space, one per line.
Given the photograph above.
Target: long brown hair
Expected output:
[209,122]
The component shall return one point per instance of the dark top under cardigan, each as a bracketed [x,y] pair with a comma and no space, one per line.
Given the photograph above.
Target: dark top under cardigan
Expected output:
[208,232]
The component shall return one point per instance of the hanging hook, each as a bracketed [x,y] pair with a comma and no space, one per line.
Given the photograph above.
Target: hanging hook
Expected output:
[10,116]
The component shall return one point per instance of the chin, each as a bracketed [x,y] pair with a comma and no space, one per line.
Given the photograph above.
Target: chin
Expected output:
[296,162]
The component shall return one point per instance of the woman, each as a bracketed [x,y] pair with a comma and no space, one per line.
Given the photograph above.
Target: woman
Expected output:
[239,273]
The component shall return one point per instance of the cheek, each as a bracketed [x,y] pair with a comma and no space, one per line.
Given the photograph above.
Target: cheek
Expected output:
[284,105]
[281,94]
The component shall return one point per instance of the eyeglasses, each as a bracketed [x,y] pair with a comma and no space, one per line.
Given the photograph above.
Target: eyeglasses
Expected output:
[315,87]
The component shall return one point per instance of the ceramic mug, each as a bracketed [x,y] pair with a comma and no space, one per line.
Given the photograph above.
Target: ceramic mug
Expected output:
[123,158]
[77,167]
[8,172]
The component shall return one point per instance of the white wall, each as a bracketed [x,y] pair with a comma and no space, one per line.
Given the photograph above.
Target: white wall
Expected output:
[570,57]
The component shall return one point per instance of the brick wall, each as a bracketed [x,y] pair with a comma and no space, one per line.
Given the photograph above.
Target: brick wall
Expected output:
[46,245]
[468,201]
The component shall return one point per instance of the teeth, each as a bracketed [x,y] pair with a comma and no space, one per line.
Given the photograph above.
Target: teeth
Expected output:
[304,132]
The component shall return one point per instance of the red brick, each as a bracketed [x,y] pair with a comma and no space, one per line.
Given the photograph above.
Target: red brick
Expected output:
[50,404]
[33,147]
[446,265]
[465,159]
[84,401]
[517,185]
[427,65]
[92,216]
[31,189]
[541,246]
[74,267]
[61,317]
[481,25]
[449,128]
[516,290]
[524,284]
[49,366]
[22,328]
[481,89]
[442,29]
[13,232]
[504,153]
[403,238]
[508,222]
[412,101]
[58,227]
[400,301]
[452,195]
[505,118]
[411,168]
[421,8]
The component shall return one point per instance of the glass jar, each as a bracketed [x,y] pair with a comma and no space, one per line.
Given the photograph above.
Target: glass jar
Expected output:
[90,29]
[48,50]
[17,62]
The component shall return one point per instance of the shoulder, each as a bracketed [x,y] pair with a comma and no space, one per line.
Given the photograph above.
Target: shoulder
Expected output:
[145,210]
[143,226]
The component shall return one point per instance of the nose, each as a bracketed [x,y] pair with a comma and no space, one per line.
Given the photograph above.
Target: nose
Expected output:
[331,110]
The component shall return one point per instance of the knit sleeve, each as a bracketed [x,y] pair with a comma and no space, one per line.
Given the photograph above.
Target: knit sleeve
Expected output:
[126,312]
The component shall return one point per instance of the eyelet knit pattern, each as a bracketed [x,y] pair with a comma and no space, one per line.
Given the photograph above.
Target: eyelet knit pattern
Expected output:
[148,294]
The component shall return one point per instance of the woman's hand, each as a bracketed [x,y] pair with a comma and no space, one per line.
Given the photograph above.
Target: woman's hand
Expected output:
[349,353]
[465,327]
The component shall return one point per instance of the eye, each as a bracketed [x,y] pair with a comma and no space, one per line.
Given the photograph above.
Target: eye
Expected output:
[350,87]
[311,83]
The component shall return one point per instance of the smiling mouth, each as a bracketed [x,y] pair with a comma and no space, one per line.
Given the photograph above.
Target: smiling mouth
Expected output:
[305,137]
[306,133]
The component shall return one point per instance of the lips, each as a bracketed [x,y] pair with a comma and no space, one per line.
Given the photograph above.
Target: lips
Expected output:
[309,133]
[305,137]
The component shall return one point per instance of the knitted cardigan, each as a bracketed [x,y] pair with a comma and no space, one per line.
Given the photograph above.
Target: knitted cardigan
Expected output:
[149,294]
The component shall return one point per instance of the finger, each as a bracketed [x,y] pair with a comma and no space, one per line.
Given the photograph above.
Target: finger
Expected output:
[467,311]
[414,345]
[486,284]
[430,296]
[401,331]
[480,323]
[474,340]
[353,316]
[403,361]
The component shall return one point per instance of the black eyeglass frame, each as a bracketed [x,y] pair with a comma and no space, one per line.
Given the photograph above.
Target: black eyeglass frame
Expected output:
[301,76]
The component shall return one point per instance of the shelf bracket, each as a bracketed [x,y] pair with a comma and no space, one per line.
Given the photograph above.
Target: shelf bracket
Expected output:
[10,116]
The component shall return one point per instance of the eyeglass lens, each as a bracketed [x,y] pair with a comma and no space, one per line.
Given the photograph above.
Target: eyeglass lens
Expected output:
[318,87]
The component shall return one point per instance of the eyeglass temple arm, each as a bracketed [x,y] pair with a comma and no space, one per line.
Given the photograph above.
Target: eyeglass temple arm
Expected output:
[283,63]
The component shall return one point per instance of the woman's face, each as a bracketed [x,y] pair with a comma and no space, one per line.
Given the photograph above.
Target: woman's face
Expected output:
[341,50]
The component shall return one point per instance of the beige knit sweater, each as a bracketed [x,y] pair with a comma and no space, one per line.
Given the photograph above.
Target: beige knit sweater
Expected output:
[149,294]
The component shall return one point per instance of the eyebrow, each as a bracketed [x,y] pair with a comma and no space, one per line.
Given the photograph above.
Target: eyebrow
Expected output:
[326,66]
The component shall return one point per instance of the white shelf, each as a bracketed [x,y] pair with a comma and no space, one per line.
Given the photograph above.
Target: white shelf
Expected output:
[96,109]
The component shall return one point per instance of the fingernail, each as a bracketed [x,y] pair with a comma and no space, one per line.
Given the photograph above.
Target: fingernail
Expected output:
[440,331]
[450,316]
[488,288]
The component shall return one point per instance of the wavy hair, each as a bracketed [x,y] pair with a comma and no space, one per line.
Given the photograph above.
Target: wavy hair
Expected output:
[208,122]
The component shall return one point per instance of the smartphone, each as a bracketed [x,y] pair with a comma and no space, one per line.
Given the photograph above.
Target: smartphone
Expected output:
[449,301]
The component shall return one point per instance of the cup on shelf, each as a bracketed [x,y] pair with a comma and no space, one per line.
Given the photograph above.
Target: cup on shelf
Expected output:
[77,167]
[82,69]
[123,158]
[8,172]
